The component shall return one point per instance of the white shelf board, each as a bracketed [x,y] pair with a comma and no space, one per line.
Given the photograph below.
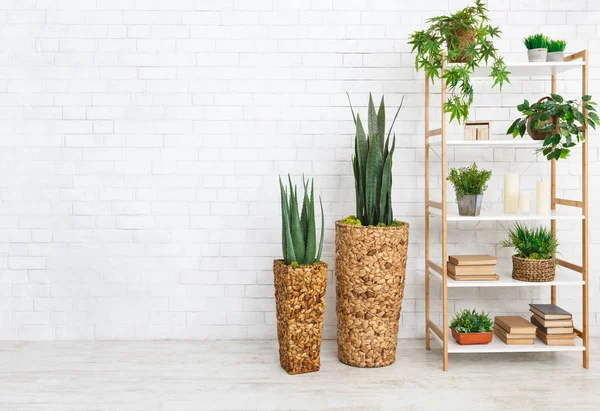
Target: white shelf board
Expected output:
[525,69]
[498,346]
[495,216]
[502,143]
[562,278]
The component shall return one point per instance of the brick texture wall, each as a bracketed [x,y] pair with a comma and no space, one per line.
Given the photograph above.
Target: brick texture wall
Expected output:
[141,142]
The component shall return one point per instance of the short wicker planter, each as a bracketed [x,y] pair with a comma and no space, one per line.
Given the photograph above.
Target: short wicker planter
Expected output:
[370,273]
[300,304]
[536,271]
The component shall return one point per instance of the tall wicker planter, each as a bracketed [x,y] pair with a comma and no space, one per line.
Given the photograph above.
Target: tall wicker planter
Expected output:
[370,273]
[536,271]
[300,305]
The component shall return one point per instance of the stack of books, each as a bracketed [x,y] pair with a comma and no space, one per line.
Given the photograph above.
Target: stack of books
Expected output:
[514,330]
[472,267]
[554,325]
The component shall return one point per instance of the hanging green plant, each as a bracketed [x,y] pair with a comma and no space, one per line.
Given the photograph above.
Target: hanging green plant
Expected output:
[467,38]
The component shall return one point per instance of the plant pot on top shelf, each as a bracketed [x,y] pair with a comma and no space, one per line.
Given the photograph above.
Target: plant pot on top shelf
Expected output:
[469,184]
[300,281]
[370,254]
[556,50]
[536,247]
[537,48]
[471,327]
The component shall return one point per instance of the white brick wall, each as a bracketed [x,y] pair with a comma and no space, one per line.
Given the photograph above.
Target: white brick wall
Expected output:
[141,142]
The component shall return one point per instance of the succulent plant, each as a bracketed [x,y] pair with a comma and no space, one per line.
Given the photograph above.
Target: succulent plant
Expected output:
[372,164]
[298,232]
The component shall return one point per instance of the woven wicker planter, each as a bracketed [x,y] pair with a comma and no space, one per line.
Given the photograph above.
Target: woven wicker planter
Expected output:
[536,134]
[370,272]
[300,301]
[536,271]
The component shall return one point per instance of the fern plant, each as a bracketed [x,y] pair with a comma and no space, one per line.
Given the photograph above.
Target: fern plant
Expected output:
[298,233]
[467,38]
[534,244]
[469,180]
[372,164]
[536,41]
[465,321]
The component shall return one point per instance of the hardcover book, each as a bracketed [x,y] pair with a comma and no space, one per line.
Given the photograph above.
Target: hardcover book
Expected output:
[552,331]
[514,324]
[471,269]
[553,323]
[493,277]
[550,340]
[512,341]
[474,259]
[550,312]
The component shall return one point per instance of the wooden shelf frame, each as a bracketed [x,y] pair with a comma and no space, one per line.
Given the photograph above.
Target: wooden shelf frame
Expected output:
[439,209]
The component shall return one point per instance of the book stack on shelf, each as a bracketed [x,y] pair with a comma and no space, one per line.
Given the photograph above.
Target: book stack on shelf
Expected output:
[514,330]
[480,267]
[554,325]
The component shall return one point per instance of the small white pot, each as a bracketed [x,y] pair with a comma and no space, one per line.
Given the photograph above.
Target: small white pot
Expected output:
[537,55]
[556,56]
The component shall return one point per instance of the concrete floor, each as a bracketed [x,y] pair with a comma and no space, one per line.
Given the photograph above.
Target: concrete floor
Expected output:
[238,375]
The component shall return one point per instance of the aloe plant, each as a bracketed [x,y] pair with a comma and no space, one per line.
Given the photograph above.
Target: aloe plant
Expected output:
[372,164]
[298,230]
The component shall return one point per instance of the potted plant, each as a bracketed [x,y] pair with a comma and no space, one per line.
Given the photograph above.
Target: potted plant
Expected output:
[557,121]
[471,327]
[535,249]
[371,250]
[467,38]
[537,47]
[469,184]
[556,50]
[300,280]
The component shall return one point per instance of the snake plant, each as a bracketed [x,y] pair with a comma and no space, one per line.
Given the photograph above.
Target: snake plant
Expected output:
[298,232]
[372,164]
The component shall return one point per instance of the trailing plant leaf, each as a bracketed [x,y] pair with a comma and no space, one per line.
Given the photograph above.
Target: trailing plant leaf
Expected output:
[447,33]
[298,233]
[571,115]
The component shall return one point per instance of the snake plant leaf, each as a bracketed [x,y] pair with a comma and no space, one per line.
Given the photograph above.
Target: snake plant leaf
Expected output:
[381,124]
[297,236]
[311,245]
[304,214]
[351,108]
[372,117]
[373,175]
[289,254]
[322,232]
[284,221]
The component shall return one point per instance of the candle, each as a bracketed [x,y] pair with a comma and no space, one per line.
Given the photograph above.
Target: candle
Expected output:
[511,193]
[542,197]
[524,202]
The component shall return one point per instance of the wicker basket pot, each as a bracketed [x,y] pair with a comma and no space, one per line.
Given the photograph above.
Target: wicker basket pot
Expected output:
[537,271]
[465,38]
[536,134]
[300,305]
[370,272]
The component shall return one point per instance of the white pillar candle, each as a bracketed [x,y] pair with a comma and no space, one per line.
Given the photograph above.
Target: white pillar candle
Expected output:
[542,197]
[511,193]
[524,202]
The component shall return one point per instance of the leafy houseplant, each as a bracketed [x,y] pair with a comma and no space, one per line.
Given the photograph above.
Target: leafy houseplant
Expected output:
[471,327]
[556,50]
[556,121]
[467,38]
[369,247]
[537,47]
[469,184]
[535,249]
[300,283]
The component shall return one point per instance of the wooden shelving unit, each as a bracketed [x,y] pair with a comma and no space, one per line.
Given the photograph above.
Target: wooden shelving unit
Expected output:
[577,275]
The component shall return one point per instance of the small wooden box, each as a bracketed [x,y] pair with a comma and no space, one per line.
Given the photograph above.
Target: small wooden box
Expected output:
[477,130]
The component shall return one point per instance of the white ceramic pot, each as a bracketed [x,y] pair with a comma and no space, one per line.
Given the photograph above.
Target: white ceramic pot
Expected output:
[556,56]
[537,55]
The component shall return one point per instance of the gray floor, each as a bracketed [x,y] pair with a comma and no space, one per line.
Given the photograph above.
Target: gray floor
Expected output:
[236,375]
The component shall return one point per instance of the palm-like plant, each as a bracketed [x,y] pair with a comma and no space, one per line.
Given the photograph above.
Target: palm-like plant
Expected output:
[372,164]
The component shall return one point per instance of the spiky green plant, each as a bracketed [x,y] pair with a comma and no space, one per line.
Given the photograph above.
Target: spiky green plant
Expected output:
[536,41]
[465,321]
[534,244]
[556,45]
[372,164]
[298,231]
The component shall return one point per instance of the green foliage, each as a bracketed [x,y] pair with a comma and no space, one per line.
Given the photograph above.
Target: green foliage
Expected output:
[466,321]
[570,115]
[298,232]
[534,244]
[352,220]
[372,165]
[536,41]
[556,45]
[469,180]
[446,32]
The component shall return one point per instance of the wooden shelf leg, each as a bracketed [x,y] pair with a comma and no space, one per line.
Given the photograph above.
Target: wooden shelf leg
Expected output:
[427,284]
[444,221]
[553,194]
[585,221]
